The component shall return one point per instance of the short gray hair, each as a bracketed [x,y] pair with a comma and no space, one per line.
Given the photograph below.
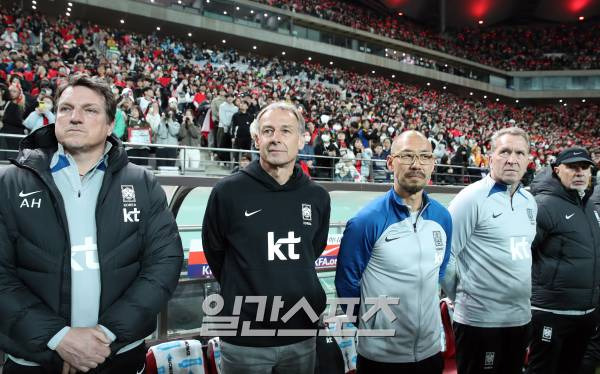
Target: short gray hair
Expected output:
[516,131]
[281,105]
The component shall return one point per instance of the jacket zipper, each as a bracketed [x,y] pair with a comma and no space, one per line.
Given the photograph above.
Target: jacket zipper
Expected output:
[418,333]
[595,256]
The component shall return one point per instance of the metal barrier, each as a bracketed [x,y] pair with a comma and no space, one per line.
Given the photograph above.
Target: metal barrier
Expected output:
[210,161]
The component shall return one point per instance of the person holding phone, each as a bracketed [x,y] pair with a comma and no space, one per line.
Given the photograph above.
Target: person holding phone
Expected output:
[42,115]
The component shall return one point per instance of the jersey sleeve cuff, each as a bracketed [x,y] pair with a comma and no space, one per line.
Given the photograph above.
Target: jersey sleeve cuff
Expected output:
[56,339]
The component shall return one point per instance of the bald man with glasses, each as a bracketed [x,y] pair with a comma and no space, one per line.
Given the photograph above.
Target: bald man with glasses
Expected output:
[397,247]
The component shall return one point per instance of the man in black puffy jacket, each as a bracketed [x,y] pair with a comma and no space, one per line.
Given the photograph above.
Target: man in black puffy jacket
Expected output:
[89,252]
[566,264]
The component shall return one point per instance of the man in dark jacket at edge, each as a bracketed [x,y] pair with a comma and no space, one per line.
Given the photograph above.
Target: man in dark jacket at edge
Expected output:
[263,229]
[566,264]
[89,252]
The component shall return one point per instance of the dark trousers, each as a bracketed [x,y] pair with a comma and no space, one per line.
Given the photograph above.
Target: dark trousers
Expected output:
[223,141]
[431,365]
[558,342]
[143,155]
[130,362]
[241,143]
[591,358]
[490,350]
[168,154]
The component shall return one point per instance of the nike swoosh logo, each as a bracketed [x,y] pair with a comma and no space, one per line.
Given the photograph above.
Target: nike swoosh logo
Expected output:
[569,216]
[252,213]
[388,239]
[576,153]
[494,215]
[141,371]
[21,194]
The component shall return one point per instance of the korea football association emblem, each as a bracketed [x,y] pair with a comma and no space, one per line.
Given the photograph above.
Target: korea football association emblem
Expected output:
[306,214]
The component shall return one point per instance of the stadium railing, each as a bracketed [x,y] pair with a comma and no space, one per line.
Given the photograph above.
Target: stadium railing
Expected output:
[222,161]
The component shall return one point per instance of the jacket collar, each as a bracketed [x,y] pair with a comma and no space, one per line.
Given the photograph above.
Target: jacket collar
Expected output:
[37,148]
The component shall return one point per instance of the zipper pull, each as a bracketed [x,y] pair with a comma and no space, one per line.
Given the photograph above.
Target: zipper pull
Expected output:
[79,193]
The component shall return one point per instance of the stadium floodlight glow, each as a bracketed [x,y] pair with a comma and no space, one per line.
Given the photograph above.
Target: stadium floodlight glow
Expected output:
[309,58]
[372,71]
[471,93]
[560,101]
[157,28]
[266,14]
[581,18]
[485,96]
[393,75]
[68,9]
[178,1]
[152,1]
[33,2]
[122,21]
[480,22]
[400,14]
[254,47]
[565,104]
[517,101]
[67,14]
[208,1]
[33,7]
[278,18]
[394,52]
[330,62]
[223,41]
[237,8]
[443,88]
[403,54]
[283,53]
[70,4]
[497,99]
[225,12]
[251,11]
[189,34]
[428,83]
[583,100]
[445,65]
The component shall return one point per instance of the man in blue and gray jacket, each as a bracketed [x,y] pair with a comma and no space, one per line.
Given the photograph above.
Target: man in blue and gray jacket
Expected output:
[397,247]
[489,274]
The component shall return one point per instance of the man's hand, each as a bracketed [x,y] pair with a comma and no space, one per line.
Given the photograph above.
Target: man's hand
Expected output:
[67,369]
[84,348]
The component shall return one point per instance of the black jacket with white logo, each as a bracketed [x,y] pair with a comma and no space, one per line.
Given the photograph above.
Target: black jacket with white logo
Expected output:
[140,260]
[262,239]
[566,249]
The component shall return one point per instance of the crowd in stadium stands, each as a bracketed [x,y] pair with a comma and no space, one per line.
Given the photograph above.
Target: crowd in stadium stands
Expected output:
[193,95]
[528,47]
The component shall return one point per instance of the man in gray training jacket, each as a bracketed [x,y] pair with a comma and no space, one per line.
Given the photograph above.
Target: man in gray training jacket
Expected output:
[494,224]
